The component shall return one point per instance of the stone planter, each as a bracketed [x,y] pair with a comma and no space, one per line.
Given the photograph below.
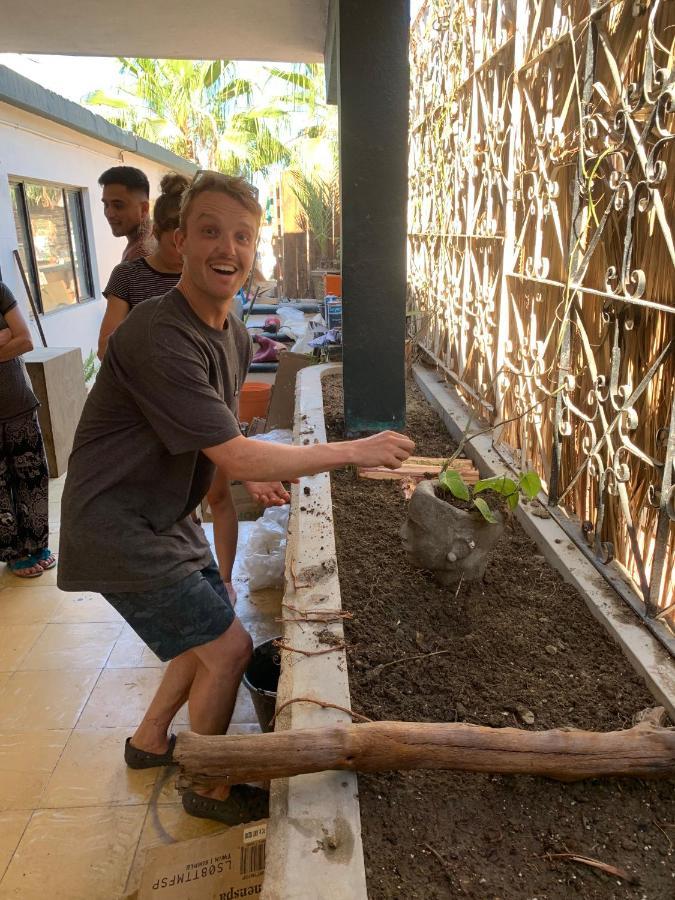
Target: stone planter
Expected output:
[453,543]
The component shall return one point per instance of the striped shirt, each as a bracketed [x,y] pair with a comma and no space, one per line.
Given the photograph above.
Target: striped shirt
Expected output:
[135,281]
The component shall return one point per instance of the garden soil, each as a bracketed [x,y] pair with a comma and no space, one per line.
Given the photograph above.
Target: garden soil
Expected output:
[521,638]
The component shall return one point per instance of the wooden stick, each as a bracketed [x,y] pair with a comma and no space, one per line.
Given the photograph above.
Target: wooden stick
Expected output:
[641,752]
[322,703]
[281,645]
[402,659]
[417,467]
[36,314]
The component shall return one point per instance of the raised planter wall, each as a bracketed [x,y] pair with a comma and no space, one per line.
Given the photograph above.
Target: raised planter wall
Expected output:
[314,844]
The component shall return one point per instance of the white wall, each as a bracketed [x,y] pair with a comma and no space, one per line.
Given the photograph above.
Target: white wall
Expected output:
[35,148]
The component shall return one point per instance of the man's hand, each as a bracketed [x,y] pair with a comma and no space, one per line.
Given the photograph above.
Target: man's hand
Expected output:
[388,448]
[231,592]
[269,493]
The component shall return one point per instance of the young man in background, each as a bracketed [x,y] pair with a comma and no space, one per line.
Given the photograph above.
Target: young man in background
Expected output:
[126,206]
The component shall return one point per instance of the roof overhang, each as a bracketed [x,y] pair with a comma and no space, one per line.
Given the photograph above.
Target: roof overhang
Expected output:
[18,91]
[274,30]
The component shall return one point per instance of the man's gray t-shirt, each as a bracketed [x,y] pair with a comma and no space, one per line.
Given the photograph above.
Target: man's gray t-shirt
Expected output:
[167,388]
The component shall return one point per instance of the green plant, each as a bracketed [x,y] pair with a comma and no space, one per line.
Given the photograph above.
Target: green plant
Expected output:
[90,367]
[528,484]
[319,200]
[201,110]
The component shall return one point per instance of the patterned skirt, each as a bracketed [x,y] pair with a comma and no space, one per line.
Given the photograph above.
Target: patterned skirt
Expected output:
[24,482]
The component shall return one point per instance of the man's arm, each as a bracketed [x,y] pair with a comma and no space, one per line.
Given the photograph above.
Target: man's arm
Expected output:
[116,312]
[242,459]
[225,528]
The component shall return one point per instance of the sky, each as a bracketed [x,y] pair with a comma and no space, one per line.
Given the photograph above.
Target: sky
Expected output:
[72,77]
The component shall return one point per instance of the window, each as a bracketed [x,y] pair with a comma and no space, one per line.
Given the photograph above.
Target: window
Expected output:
[52,243]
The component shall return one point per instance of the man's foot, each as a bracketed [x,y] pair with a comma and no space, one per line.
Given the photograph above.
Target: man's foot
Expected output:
[244,804]
[28,567]
[144,759]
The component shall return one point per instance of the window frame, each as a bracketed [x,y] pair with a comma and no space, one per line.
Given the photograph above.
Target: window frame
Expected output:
[19,183]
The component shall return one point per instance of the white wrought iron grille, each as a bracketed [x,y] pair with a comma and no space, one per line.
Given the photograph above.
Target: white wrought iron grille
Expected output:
[541,254]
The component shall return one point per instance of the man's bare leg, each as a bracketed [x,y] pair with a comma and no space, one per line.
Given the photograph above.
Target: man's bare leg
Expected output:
[173,691]
[221,664]
[208,678]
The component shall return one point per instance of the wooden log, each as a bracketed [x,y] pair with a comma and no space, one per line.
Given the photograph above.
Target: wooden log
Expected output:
[418,467]
[643,751]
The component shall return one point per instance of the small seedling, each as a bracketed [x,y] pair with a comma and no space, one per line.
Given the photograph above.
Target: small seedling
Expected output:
[90,367]
[528,484]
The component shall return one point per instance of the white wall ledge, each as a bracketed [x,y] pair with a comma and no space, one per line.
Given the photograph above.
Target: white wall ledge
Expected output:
[314,847]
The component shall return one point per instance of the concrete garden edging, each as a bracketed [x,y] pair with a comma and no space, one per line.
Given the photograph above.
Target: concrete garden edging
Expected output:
[314,847]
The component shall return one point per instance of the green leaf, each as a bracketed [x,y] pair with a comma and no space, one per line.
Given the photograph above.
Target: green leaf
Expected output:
[501,484]
[485,510]
[452,481]
[530,484]
[213,73]
[513,499]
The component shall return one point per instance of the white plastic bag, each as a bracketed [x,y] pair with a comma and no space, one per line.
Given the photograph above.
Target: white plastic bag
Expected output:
[277,435]
[290,316]
[265,552]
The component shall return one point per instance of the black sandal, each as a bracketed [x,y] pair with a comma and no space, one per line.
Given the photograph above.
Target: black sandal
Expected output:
[143,759]
[245,804]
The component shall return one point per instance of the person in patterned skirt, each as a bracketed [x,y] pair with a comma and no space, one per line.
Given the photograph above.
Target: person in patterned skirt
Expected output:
[24,477]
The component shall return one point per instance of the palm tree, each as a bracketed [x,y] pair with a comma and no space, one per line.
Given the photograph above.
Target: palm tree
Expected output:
[304,100]
[200,110]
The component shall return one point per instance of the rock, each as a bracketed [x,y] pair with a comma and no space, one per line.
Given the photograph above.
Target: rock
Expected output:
[525,715]
[460,709]
[628,844]
[551,649]
[655,716]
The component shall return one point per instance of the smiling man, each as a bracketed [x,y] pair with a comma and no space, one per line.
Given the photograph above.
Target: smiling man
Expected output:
[126,206]
[159,431]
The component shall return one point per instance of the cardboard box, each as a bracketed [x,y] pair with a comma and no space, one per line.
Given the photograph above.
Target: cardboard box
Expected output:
[225,866]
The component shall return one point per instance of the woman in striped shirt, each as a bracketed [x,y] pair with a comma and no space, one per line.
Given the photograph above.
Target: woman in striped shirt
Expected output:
[132,282]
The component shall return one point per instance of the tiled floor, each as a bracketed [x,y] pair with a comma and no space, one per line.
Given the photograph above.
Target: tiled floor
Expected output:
[74,681]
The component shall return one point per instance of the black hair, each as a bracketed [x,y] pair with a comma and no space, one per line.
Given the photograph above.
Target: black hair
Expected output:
[131,178]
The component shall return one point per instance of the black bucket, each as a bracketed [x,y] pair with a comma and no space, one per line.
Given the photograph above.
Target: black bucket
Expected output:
[261,678]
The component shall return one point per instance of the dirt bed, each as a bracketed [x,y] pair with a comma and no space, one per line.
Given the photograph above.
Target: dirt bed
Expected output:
[522,636]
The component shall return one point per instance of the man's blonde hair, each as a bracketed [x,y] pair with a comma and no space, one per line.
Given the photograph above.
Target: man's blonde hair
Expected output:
[232,185]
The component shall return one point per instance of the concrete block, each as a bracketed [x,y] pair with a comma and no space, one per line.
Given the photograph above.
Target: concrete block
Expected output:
[58,381]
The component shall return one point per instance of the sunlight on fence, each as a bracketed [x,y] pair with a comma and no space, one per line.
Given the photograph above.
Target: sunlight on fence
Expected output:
[541,254]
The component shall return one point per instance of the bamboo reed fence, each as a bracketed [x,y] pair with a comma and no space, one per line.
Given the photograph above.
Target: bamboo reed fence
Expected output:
[542,259]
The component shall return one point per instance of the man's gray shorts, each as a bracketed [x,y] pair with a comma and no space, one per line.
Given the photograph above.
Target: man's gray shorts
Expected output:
[183,615]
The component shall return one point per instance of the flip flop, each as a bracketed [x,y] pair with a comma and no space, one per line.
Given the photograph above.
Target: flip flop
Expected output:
[46,559]
[143,759]
[245,804]
[20,566]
